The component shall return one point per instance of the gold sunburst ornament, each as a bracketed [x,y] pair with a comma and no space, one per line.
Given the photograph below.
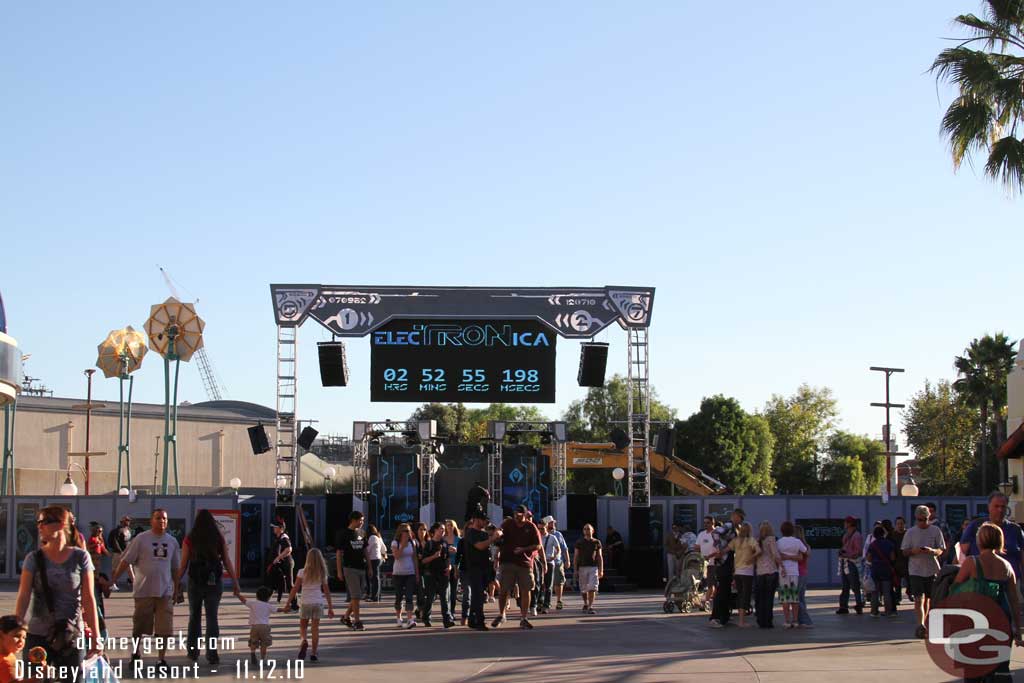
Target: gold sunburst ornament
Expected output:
[121,352]
[175,331]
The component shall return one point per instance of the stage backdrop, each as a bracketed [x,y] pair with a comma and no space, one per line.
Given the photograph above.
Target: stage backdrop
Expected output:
[394,488]
[526,480]
[462,466]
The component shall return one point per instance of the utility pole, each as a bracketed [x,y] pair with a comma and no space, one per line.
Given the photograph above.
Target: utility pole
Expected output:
[88,407]
[890,454]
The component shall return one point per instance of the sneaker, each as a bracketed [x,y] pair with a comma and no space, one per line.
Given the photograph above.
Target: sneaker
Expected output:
[714,623]
[921,632]
[427,623]
[892,615]
[542,610]
[463,621]
[400,622]
[480,627]
[448,623]
[559,605]
[525,623]
[312,658]
[409,624]
[591,610]
[875,615]
[358,626]
[213,659]
[302,650]
[498,621]
[346,621]
[115,588]
[842,610]
[533,611]
[859,610]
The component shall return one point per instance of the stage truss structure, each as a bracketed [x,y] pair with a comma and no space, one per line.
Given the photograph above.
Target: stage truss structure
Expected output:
[422,432]
[358,310]
[498,432]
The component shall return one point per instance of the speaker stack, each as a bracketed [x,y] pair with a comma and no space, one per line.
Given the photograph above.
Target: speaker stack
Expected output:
[593,362]
[333,364]
[258,439]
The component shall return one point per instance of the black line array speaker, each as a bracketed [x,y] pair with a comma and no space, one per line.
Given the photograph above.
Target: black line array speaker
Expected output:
[258,439]
[666,441]
[593,361]
[640,527]
[307,437]
[581,509]
[333,365]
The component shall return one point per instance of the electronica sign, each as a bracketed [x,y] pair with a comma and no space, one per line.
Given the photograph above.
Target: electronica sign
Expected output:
[467,361]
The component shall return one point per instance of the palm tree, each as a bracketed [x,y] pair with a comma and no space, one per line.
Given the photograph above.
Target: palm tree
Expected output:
[983,370]
[990,107]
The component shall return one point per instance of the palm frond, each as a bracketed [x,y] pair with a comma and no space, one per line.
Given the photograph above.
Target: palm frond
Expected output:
[968,125]
[1006,163]
[972,71]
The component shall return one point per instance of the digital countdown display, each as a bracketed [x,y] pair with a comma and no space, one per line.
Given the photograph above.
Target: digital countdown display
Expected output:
[463,361]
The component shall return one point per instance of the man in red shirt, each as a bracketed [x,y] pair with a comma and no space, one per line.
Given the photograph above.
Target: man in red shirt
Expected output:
[520,539]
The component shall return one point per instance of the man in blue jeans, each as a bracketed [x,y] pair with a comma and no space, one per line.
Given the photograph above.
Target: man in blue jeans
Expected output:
[849,568]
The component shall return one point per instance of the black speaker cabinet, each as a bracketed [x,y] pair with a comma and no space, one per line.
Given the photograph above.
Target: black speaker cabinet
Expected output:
[666,442]
[333,365]
[593,361]
[307,437]
[258,439]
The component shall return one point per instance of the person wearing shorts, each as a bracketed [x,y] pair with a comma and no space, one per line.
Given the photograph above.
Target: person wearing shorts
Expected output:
[260,610]
[520,539]
[589,561]
[156,557]
[350,557]
[923,545]
[791,550]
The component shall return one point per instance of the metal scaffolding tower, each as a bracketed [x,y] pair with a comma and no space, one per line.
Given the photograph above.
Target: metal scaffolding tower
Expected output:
[639,418]
[286,479]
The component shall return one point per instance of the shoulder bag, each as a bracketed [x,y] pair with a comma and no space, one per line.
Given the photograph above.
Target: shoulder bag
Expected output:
[63,636]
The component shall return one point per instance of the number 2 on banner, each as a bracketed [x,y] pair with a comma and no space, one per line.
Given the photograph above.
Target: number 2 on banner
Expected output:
[396,375]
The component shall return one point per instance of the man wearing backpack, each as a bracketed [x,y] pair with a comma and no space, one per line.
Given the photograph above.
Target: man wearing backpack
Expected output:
[923,545]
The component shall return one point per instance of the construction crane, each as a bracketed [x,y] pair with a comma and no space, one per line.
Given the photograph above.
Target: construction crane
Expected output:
[215,389]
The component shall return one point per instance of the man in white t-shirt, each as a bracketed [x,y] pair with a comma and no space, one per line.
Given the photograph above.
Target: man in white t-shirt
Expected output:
[156,556]
[708,543]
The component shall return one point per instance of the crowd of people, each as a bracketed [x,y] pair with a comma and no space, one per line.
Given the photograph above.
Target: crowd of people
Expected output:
[520,561]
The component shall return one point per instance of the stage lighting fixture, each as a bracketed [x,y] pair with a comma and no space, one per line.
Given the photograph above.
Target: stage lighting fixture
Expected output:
[412,438]
[545,438]
[619,438]
[513,438]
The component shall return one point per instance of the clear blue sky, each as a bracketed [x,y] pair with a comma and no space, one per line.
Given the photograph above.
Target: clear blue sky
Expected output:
[776,173]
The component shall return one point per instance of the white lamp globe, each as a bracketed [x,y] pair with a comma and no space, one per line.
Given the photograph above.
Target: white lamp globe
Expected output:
[329,472]
[909,490]
[618,474]
[123,491]
[68,488]
[235,482]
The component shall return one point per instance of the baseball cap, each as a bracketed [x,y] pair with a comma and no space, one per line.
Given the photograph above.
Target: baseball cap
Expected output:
[276,525]
[851,519]
[521,508]
[547,519]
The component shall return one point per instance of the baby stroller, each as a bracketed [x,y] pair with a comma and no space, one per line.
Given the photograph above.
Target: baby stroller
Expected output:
[685,590]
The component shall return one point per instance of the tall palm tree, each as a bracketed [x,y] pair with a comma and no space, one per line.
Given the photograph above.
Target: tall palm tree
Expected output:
[983,370]
[988,114]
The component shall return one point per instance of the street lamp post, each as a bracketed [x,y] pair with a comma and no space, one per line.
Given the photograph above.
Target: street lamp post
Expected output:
[890,454]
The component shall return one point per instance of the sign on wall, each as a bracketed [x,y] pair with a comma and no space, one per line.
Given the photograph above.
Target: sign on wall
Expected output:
[467,361]
[230,524]
[823,533]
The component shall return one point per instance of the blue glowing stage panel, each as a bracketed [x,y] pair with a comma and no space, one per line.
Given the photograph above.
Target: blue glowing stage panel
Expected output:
[526,480]
[394,488]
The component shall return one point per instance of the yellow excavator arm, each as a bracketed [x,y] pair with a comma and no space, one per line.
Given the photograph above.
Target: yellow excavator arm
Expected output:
[673,469]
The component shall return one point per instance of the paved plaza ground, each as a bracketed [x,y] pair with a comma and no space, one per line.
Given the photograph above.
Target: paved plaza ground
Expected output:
[631,639]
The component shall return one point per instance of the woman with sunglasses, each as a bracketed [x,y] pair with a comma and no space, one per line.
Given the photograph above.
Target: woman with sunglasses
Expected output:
[66,596]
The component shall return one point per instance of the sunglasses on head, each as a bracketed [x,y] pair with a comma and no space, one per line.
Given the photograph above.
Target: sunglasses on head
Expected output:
[47,520]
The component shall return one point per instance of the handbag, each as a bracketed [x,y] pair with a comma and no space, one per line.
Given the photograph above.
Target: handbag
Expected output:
[97,669]
[978,584]
[867,583]
[63,635]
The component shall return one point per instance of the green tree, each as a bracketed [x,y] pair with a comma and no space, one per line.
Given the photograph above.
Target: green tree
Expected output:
[844,446]
[469,425]
[593,418]
[801,424]
[731,445]
[942,430]
[981,383]
[987,69]
[843,476]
